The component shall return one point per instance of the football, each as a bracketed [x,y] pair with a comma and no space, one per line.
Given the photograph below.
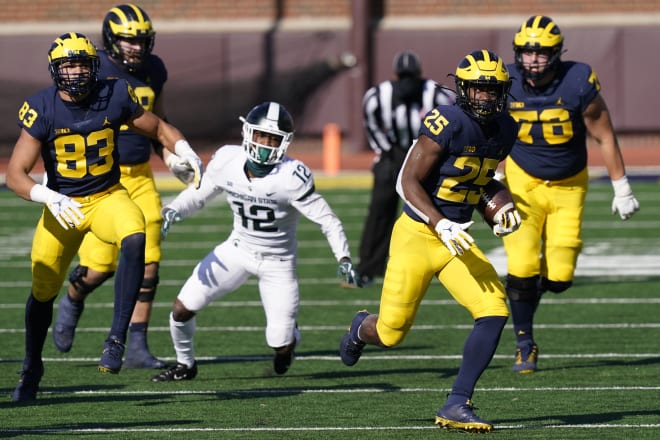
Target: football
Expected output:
[495,199]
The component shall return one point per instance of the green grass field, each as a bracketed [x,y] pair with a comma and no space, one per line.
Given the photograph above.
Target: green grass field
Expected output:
[599,369]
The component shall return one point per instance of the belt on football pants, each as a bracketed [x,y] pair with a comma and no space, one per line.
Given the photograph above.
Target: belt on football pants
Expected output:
[98,195]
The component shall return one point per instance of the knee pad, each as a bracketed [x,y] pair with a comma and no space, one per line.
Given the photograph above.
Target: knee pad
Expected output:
[76,278]
[522,289]
[555,286]
[148,289]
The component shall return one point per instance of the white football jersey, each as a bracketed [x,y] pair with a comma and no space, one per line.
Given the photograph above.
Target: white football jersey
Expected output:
[266,209]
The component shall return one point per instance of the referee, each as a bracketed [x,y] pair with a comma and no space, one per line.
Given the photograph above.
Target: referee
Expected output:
[393,111]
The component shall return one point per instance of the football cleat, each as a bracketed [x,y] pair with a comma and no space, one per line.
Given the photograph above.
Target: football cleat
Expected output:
[526,357]
[28,384]
[68,314]
[350,347]
[142,359]
[462,417]
[138,354]
[282,361]
[111,358]
[176,372]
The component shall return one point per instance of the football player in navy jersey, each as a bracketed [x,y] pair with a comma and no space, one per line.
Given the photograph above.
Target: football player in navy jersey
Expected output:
[128,39]
[73,125]
[555,104]
[267,192]
[393,111]
[456,154]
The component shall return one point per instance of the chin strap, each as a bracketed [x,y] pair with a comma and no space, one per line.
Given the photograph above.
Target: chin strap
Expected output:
[258,170]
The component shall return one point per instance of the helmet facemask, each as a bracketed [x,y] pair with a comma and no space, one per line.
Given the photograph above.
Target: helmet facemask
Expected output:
[538,33]
[267,134]
[551,65]
[260,153]
[70,50]
[482,70]
[132,58]
[482,109]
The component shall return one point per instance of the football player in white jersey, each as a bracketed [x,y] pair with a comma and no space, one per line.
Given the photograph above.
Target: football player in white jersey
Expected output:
[267,191]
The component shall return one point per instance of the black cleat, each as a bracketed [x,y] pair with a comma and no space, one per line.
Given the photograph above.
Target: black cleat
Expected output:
[28,384]
[176,372]
[350,347]
[282,360]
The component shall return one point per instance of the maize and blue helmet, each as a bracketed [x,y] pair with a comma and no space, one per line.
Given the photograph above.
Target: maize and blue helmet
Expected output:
[74,48]
[482,69]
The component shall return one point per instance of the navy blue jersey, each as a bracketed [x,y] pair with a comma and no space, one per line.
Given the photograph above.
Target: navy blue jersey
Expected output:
[471,153]
[78,140]
[147,83]
[552,141]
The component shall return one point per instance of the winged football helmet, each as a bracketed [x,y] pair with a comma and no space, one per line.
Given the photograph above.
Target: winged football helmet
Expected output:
[482,69]
[273,119]
[538,33]
[78,49]
[128,22]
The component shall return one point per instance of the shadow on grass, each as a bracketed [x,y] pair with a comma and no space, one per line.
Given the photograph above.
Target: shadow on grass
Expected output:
[94,427]
[609,280]
[578,419]
[644,362]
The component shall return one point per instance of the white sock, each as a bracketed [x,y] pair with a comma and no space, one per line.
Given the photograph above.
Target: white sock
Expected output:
[182,336]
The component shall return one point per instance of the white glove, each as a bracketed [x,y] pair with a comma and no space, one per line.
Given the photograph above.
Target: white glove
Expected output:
[348,273]
[454,235]
[65,210]
[191,159]
[170,216]
[624,201]
[180,169]
[508,222]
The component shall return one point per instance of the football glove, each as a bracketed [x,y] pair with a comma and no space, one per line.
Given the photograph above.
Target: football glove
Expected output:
[190,159]
[508,222]
[624,202]
[347,273]
[454,235]
[65,210]
[181,170]
[170,216]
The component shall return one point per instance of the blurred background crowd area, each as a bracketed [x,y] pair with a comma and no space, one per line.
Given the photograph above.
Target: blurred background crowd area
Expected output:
[318,57]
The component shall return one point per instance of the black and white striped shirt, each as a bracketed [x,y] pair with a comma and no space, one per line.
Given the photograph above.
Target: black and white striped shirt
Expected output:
[391,119]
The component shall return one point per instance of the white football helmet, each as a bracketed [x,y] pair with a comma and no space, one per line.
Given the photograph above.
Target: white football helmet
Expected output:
[271,118]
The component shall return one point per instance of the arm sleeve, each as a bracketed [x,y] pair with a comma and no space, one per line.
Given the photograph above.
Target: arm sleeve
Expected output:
[316,209]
